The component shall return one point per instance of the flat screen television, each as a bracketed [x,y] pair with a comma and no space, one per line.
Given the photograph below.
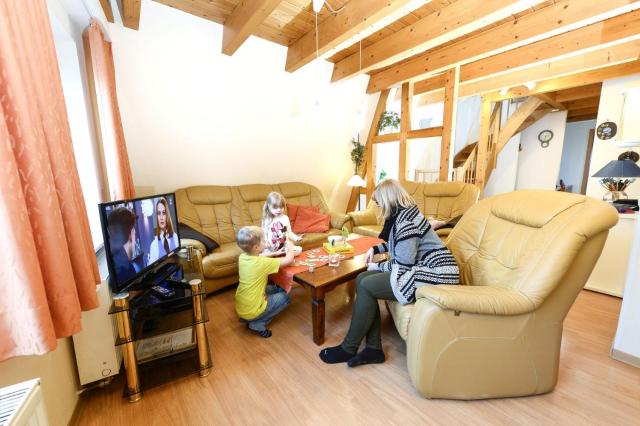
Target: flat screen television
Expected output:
[139,235]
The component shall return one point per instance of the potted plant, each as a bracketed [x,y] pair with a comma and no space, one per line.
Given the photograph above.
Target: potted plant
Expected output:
[389,120]
[357,153]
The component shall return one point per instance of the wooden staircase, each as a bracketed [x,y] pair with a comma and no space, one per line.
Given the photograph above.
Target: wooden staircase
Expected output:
[476,161]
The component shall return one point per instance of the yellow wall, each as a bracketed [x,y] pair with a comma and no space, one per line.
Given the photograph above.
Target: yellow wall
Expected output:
[58,375]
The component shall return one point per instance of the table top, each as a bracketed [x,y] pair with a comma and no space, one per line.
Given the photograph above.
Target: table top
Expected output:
[327,275]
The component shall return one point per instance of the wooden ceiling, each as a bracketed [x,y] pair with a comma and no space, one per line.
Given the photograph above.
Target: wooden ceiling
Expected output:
[498,45]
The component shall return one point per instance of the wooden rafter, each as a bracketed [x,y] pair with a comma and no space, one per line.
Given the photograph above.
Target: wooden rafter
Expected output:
[590,91]
[514,122]
[405,127]
[562,16]
[534,117]
[106,8]
[357,15]
[600,58]
[550,99]
[130,13]
[429,132]
[483,142]
[452,21]
[246,17]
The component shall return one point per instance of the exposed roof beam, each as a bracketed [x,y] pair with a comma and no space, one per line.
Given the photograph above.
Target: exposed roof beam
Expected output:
[569,81]
[243,21]
[108,12]
[357,15]
[563,16]
[590,91]
[130,13]
[550,99]
[453,21]
[516,120]
[621,53]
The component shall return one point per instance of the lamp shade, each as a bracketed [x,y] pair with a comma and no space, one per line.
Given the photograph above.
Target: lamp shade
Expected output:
[356,180]
[619,169]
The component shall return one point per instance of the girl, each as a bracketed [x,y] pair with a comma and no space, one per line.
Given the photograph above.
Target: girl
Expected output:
[276,224]
[417,257]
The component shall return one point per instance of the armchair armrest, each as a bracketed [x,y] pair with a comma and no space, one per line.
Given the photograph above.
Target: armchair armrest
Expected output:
[184,242]
[338,220]
[477,299]
[364,217]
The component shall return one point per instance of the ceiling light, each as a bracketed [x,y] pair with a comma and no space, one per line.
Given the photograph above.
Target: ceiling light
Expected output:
[504,91]
[530,85]
[317,5]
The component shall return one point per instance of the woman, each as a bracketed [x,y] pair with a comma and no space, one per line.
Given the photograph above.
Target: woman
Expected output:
[417,257]
[165,240]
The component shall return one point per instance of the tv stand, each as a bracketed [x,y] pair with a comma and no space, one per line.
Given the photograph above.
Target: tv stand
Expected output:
[161,273]
[184,328]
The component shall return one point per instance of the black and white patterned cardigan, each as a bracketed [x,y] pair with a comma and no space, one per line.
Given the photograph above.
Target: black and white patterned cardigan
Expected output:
[417,256]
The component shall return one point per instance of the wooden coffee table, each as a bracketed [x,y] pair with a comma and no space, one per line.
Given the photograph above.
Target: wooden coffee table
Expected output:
[323,280]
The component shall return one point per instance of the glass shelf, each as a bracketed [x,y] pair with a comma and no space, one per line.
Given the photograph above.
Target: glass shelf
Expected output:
[151,324]
[148,296]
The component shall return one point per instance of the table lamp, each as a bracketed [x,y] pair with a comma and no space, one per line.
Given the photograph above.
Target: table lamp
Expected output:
[356,181]
[617,175]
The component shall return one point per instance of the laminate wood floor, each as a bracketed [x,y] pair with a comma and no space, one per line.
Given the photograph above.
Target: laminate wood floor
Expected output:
[281,381]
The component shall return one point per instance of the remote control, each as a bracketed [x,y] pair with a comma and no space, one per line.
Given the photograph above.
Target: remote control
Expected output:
[163,292]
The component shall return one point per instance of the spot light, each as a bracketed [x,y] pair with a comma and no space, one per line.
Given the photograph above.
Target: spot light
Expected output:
[530,85]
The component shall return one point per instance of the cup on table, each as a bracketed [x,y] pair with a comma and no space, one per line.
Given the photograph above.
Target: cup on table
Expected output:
[334,260]
[336,240]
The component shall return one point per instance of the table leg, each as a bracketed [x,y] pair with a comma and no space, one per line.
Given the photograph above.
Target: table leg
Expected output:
[128,349]
[317,315]
[204,355]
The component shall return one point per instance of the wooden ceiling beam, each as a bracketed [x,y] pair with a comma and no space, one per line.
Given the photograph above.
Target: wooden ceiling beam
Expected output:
[569,81]
[590,91]
[591,116]
[550,99]
[449,23]
[563,16]
[510,128]
[130,13]
[106,8]
[357,16]
[246,17]
[583,103]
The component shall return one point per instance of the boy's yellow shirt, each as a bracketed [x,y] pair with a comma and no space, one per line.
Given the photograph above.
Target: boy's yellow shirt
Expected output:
[251,298]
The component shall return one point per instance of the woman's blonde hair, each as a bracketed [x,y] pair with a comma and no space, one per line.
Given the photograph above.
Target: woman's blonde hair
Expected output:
[388,195]
[274,199]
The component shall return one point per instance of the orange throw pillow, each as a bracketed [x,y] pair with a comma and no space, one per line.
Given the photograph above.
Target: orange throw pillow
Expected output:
[308,220]
[292,211]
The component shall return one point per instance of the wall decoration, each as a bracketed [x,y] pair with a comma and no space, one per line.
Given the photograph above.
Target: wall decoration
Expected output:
[545,137]
[606,130]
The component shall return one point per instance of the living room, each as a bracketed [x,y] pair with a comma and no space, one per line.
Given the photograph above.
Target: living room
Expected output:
[219,103]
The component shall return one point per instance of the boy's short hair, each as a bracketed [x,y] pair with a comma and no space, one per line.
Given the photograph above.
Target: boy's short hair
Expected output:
[248,237]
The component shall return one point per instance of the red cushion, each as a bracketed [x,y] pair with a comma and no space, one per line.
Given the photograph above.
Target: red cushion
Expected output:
[308,220]
[292,211]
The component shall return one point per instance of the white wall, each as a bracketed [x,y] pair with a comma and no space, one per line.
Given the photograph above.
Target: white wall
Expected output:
[538,167]
[610,109]
[574,151]
[192,115]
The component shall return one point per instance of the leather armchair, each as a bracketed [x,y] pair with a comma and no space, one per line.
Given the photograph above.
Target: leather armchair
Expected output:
[523,257]
[441,200]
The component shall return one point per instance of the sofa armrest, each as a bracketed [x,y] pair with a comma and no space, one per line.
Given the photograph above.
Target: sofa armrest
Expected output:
[364,217]
[338,220]
[477,299]
[184,242]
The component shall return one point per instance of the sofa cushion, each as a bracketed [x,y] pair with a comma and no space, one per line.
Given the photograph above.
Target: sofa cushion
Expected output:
[368,230]
[222,262]
[401,315]
[292,211]
[308,220]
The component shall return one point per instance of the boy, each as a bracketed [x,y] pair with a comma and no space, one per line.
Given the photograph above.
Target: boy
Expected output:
[256,302]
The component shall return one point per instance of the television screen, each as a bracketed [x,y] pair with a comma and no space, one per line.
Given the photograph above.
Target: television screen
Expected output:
[138,235]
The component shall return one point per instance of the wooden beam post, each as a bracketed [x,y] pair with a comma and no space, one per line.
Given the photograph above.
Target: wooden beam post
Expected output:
[369,156]
[515,121]
[243,21]
[405,127]
[483,143]
[130,13]
[106,8]
[452,77]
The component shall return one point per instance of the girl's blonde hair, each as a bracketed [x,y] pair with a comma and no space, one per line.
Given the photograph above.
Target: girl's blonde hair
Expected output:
[388,195]
[274,199]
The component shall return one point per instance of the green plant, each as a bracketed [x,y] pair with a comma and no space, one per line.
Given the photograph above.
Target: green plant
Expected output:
[357,153]
[383,175]
[389,120]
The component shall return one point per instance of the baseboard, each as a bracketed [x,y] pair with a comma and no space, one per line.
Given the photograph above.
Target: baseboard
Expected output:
[625,357]
[603,291]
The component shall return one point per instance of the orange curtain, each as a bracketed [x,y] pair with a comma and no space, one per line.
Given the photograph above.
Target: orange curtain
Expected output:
[48,270]
[102,79]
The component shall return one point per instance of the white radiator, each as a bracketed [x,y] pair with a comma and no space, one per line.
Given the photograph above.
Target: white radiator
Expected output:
[22,405]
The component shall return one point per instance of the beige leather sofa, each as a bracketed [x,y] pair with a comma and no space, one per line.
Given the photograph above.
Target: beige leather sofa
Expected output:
[524,257]
[442,200]
[220,211]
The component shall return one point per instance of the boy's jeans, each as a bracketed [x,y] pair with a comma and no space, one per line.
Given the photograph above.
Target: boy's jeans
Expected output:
[277,300]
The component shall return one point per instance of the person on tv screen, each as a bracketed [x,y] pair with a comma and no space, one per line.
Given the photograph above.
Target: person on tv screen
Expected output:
[165,239]
[122,238]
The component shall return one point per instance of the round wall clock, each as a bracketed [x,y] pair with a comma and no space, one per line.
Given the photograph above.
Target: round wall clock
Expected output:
[606,130]
[545,137]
